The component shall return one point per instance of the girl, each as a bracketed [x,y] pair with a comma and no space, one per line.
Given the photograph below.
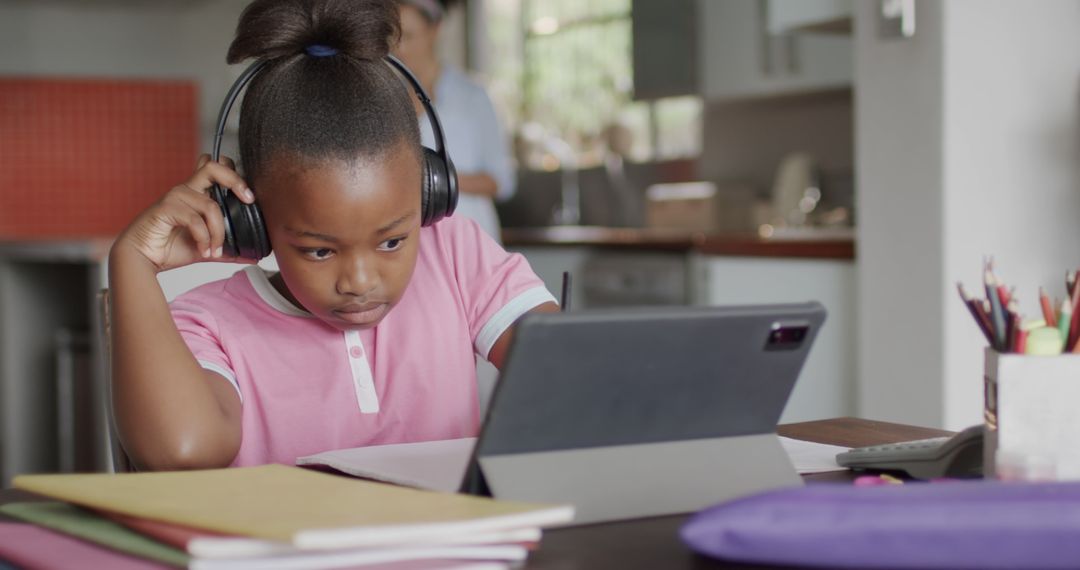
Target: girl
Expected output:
[367,333]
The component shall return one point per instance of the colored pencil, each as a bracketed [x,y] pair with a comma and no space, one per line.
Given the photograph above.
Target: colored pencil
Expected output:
[1047,309]
[1004,293]
[1074,321]
[1012,326]
[975,307]
[997,312]
[1065,318]
[983,308]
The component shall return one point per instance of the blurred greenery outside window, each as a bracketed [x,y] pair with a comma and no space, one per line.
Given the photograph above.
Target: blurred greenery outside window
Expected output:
[561,73]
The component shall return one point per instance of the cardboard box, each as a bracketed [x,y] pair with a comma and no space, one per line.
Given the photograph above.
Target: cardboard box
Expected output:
[701,206]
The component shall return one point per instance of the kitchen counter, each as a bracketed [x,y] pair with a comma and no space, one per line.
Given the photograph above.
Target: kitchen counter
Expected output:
[70,250]
[810,244]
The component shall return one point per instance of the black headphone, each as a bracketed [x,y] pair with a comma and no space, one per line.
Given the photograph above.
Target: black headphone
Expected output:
[245,230]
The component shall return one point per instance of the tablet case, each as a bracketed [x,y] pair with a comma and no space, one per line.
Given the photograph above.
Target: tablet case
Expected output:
[644,412]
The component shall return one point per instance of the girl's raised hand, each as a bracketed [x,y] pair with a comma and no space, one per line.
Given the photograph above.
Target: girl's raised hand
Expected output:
[186,225]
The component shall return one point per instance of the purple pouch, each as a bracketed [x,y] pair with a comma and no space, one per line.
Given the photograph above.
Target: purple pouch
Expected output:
[969,524]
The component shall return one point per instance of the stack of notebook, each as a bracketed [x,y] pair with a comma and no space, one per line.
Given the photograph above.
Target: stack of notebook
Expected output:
[264,517]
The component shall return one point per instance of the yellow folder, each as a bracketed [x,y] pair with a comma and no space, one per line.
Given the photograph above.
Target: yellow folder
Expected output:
[306,508]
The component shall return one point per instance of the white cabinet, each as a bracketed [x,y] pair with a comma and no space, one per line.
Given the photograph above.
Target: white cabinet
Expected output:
[825,388]
[740,58]
[549,263]
[810,16]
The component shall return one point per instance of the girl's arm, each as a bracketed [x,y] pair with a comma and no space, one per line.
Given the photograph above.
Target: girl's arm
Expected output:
[170,412]
[497,355]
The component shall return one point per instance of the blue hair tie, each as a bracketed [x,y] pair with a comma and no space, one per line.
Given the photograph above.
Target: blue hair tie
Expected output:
[319,50]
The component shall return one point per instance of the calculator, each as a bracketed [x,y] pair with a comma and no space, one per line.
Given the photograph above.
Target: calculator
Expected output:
[959,455]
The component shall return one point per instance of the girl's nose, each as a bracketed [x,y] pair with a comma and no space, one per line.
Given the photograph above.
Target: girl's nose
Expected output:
[358,278]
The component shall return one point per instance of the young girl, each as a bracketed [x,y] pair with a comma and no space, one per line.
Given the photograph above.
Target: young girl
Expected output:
[367,334]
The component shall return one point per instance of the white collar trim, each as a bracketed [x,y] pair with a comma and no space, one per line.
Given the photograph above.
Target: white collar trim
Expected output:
[261,283]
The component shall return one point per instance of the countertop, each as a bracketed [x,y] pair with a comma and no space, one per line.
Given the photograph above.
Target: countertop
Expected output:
[65,250]
[809,243]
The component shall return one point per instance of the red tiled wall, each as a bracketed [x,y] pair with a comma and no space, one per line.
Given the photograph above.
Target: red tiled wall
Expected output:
[82,157]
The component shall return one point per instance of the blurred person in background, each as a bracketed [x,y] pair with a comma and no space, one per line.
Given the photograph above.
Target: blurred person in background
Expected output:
[474,137]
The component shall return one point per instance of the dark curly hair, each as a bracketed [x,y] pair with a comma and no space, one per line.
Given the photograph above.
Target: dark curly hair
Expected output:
[347,106]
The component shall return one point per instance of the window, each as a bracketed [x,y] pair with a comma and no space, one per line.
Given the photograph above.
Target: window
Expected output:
[562,75]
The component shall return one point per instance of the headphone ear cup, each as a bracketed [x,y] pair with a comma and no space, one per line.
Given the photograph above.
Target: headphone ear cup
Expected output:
[228,247]
[426,184]
[439,194]
[260,238]
[249,238]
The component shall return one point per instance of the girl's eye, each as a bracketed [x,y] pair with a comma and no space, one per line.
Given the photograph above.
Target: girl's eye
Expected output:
[392,244]
[318,254]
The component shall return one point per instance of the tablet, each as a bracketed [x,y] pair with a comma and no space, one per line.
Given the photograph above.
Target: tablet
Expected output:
[599,406]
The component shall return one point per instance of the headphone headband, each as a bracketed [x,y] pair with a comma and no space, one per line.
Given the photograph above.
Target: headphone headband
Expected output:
[254,69]
[245,232]
[230,98]
[429,108]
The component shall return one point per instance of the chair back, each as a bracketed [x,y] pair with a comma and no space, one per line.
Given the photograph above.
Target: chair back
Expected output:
[120,461]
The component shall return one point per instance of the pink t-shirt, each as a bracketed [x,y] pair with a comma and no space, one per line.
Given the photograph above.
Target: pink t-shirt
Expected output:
[306,387]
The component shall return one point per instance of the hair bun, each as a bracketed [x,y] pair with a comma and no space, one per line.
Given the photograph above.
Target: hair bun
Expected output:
[269,29]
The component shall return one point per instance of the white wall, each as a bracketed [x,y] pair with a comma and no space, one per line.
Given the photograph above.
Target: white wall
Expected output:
[1012,122]
[170,40]
[83,38]
[899,185]
[160,39]
[966,145]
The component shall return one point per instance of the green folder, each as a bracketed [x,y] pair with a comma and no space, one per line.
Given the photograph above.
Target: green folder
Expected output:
[83,524]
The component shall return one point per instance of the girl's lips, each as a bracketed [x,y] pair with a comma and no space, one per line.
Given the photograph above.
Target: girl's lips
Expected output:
[361,314]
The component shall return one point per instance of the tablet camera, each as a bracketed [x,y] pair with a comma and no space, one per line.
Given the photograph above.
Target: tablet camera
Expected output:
[786,337]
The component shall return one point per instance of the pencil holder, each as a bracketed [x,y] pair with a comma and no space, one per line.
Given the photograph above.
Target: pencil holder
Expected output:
[1032,413]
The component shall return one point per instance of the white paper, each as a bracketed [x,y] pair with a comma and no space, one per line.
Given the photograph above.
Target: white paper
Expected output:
[441,465]
[213,547]
[809,457]
[445,557]
[434,465]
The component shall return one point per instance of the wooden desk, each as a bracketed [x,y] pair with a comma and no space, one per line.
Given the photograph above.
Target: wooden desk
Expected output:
[653,543]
